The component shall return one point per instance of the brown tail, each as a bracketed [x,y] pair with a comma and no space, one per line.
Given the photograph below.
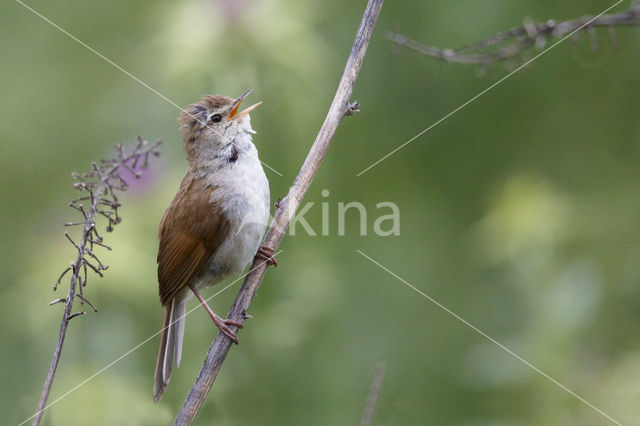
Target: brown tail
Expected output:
[170,346]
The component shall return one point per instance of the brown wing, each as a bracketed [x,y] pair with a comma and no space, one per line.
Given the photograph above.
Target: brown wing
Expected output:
[190,232]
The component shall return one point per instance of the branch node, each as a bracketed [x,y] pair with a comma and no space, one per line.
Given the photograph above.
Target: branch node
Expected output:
[448,53]
[352,108]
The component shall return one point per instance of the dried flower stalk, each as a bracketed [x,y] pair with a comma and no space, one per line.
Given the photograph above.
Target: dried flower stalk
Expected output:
[99,199]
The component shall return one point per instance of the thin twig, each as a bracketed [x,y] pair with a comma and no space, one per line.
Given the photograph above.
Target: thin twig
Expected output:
[283,215]
[374,393]
[85,300]
[99,184]
[55,286]
[508,44]
[77,314]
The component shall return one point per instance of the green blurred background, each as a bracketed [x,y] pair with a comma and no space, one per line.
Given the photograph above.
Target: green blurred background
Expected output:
[520,213]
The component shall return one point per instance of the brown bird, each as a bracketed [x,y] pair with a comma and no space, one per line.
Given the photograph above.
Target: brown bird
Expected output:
[215,223]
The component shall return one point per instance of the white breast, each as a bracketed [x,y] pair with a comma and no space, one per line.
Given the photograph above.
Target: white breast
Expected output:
[244,197]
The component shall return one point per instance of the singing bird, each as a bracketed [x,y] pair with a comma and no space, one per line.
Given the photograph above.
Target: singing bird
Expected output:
[214,225]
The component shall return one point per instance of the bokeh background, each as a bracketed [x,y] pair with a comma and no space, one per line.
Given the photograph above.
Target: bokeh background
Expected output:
[520,213]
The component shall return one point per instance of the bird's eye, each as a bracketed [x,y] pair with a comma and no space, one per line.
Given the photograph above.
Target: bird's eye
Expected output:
[216,118]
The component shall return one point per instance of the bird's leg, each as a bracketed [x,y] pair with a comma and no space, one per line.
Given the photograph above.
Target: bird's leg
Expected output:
[266,253]
[222,324]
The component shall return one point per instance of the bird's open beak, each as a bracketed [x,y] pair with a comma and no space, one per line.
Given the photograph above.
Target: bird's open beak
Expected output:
[234,114]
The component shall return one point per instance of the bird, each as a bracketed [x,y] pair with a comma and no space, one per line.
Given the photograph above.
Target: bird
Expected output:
[216,221]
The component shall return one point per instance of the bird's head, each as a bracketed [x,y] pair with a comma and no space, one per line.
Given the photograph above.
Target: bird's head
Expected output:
[213,123]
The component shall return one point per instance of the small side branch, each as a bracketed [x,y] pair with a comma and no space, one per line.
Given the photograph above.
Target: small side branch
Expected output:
[515,43]
[284,213]
[99,184]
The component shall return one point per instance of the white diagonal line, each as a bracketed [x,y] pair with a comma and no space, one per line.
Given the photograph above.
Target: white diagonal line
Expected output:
[76,39]
[139,345]
[270,168]
[488,89]
[482,333]
[124,71]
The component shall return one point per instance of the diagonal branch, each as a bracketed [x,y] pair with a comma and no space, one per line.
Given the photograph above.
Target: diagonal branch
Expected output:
[284,213]
[507,45]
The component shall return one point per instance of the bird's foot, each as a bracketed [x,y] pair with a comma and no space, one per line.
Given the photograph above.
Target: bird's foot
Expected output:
[223,326]
[266,253]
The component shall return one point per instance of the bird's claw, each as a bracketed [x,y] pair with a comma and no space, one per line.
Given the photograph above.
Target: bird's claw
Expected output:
[266,253]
